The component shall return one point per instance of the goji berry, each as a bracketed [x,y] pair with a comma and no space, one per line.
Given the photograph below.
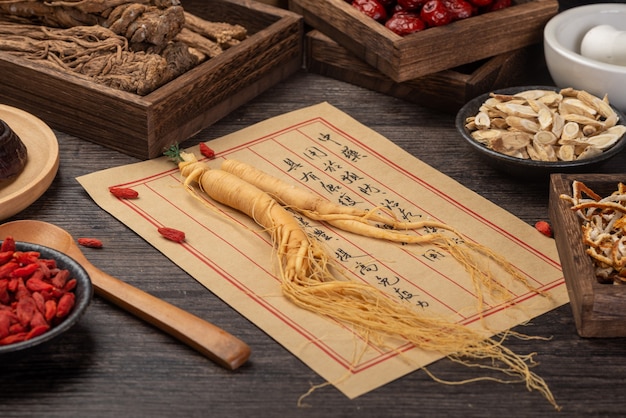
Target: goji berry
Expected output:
[25,310]
[90,242]
[123,192]
[25,271]
[13,282]
[70,285]
[17,328]
[35,284]
[4,293]
[37,320]
[206,151]
[5,256]
[50,310]
[5,323]
[6,269]
[29,296]
[13,338]
[544,228]
[8,244]
[60,278]
[39,301]
[65,305]
[37,331]
[26,257]
[172,234]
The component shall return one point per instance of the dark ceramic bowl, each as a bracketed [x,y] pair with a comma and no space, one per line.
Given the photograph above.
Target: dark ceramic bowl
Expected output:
[83,292]
[520,167]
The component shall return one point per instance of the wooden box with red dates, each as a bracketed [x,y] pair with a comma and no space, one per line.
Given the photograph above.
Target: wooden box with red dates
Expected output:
[446,90]
[439,46]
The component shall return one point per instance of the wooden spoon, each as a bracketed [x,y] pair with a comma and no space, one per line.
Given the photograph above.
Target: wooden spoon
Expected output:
[215,343]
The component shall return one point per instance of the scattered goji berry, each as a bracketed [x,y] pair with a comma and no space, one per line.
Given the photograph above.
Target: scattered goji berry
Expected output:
[90,242]
[544,228]
[172,234]
[123,192]
[206,151]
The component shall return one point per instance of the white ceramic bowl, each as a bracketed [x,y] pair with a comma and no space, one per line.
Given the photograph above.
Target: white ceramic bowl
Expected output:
[563,36]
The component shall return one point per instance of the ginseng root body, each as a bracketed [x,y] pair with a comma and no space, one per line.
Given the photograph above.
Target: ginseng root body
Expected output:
[308,281]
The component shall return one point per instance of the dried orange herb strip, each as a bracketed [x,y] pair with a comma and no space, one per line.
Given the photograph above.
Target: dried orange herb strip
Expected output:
[603,228]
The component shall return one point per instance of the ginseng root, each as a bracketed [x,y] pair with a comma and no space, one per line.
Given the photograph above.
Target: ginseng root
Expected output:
[307,281]
[362,222]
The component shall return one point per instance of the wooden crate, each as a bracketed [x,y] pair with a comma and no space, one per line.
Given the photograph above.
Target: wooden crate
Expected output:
[447,90]
[278,3]
[599,309]
[434,49]
[142,126]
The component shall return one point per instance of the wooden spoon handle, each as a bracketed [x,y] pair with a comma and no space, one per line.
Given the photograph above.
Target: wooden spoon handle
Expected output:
[215,343]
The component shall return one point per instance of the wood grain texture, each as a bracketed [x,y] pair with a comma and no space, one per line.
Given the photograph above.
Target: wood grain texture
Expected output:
[112,364]
[433,50]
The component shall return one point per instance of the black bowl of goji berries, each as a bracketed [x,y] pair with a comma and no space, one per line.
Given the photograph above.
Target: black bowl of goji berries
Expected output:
[43,293]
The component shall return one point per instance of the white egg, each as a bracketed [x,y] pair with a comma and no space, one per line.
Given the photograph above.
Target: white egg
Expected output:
[606,44]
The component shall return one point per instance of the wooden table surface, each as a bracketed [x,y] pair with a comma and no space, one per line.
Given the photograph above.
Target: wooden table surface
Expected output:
[112,364]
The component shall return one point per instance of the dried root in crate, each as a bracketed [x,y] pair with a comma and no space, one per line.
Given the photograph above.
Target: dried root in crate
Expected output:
[603,223]
[135,46]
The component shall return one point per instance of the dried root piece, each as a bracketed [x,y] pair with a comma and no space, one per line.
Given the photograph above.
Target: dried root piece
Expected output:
[562,126]
[603,228]
[225,35]
[131,46]
[140,21]
[95,53]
